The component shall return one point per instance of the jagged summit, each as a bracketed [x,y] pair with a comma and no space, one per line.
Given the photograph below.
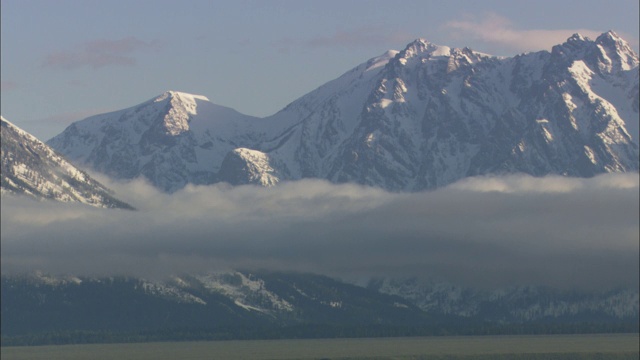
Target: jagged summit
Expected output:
[420,51]
[612,41]
[610,36]
[608,48]
[424,47]
[618,51]
[577,37]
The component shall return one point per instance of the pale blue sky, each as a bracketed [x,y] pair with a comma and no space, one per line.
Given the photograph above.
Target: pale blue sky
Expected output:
[64,60]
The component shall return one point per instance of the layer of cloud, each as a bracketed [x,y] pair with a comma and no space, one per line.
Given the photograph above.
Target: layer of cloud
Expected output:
[517,230]
[99,53]
[495,29]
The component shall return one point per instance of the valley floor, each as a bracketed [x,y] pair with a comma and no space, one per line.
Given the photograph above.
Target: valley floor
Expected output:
[592,346]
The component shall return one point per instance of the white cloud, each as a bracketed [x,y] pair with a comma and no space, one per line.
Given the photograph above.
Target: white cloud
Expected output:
[495,29]
[552,231]
[549,184]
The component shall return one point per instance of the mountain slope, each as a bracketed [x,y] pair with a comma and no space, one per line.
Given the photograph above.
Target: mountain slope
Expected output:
[229,305]
[411,120]
[32,168]
[511,304]
[290,305]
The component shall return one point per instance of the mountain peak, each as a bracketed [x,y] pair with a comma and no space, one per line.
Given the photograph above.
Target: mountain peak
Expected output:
[611,39]
[610,35]
[422,46]
[183,106]
[179,95]
[418,42]
[577,37]
[617,50]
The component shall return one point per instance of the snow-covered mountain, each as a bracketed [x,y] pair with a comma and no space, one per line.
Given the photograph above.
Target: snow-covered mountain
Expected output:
[407,120]
[510,304]
[32,168]
[172,140]
[240,304]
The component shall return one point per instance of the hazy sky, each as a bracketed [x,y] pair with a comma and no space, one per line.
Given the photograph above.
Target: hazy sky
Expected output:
[487,232]
[64,60]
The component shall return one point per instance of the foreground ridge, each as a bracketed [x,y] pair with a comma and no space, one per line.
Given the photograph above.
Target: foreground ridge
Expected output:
[244,305]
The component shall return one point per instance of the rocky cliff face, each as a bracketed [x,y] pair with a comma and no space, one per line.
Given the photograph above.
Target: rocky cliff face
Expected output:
[244,166]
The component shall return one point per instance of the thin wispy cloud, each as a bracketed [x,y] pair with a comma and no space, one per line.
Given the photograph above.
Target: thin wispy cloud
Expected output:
[488,232]
[495,29]
[358,37]
[69,117]
[99,53]
[8,85]
[55,123]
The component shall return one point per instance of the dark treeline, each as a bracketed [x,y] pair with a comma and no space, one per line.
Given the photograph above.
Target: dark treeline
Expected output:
[309,331]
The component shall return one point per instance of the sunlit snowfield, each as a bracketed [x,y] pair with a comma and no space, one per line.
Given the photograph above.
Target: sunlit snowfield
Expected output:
[610,346]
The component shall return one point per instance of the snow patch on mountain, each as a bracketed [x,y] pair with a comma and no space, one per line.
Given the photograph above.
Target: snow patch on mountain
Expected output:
[246,291]
[170,292]
[523,303]
[245,166]
[183,106]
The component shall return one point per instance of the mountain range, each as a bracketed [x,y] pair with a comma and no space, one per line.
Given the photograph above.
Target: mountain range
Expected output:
[408,120]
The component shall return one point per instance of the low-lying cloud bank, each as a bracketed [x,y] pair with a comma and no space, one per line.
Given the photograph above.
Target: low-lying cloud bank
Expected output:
[487,231]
